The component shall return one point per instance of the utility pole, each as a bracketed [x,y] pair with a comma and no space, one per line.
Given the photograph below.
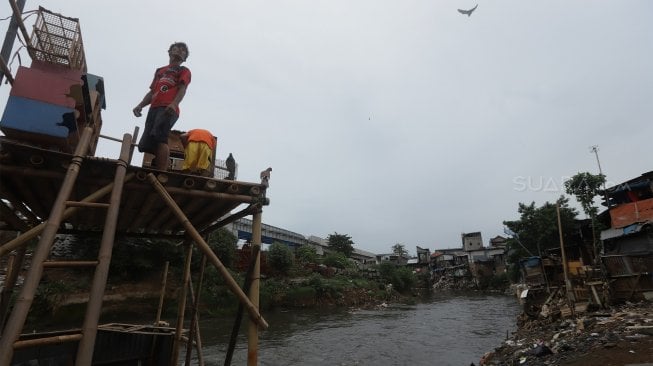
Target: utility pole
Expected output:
[595,149]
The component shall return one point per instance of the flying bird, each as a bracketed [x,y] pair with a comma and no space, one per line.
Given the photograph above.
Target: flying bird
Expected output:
[468,12]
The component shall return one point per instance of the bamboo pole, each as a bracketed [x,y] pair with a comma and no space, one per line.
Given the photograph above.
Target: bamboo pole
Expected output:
[198,337]
[162,295]
[12,31]
[14,266]
[94,306]
[26,296]
[19,17]
[238,215]
[223,196]
[202,246]
[69,264]
[6,71]
[568,287]
[194,331]
[36,230]
[239,314]
[252,339]
[47,341]
[181,308]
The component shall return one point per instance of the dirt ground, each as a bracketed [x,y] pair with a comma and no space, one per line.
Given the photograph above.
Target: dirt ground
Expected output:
[618,336]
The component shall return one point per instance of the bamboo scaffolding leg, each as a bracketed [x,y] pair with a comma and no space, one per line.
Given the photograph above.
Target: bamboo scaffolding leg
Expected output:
[239,314]
[181,309]
[215,261]
[194,325]
[162,295]
[13,270]
[26,297]
[252,339]
[94,306]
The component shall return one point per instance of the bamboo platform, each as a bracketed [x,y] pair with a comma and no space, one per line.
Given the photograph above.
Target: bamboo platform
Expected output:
[30,179]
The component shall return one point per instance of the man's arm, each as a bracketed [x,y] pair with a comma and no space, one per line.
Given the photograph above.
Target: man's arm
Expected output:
[147,99]
[178,98]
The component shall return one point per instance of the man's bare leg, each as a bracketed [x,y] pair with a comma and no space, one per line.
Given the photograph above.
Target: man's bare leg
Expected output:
[162,156]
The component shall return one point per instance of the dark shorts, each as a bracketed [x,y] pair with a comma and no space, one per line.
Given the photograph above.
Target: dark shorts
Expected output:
[157,128]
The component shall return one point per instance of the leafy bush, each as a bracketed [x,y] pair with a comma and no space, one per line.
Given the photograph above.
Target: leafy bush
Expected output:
[224,244]
[306,254]
[280,258]
[271,293]
[401,278]
[215,292]
[337,260]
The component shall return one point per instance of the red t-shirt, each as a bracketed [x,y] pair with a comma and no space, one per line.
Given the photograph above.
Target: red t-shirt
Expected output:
[166,84]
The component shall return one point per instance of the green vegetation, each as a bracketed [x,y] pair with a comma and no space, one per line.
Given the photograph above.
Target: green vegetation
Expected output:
[280,258]
[306,254]
[402,278]
[341,243]
[537,228]
[224,244]
[336,260]
[399,249]
[585,187]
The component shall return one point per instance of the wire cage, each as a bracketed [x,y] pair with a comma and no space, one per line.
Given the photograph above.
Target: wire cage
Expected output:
[57,39]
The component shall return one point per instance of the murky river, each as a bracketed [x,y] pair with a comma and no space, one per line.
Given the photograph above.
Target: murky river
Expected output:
[450,329]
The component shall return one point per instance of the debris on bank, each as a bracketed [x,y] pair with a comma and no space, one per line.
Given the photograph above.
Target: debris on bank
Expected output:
[622,335]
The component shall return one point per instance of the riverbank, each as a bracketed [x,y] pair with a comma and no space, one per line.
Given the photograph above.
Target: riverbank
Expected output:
[621,335]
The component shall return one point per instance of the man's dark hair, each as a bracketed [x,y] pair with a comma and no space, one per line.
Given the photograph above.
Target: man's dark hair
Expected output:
[180,44]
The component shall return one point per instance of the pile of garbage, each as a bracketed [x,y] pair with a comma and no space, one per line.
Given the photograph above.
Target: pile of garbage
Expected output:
[620,335]
[454,283]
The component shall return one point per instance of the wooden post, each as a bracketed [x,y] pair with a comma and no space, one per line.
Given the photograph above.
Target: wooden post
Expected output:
[194,331]
[239,314]
[568,287]
[162,295]
[252,338]
[182,304]
[14,267]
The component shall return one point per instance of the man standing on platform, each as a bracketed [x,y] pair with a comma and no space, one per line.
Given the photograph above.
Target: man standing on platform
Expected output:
[166,92]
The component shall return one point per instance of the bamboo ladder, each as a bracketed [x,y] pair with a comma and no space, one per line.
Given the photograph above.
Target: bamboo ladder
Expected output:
[16,321]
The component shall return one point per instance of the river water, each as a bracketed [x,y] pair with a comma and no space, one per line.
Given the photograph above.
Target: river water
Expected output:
[445,329]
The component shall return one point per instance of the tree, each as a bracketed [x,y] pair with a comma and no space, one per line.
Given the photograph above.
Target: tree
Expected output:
[399,249]
[280,258]
[306,254]
[341,243]
[585,187]
[224,244]
[537,228]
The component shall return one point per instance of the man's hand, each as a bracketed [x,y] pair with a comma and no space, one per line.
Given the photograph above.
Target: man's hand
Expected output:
[137,111]
[171,108]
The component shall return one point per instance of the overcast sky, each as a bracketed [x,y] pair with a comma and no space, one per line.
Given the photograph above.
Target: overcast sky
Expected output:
[391,121]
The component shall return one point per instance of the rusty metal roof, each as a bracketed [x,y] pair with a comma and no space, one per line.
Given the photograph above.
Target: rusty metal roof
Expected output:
[30,179]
